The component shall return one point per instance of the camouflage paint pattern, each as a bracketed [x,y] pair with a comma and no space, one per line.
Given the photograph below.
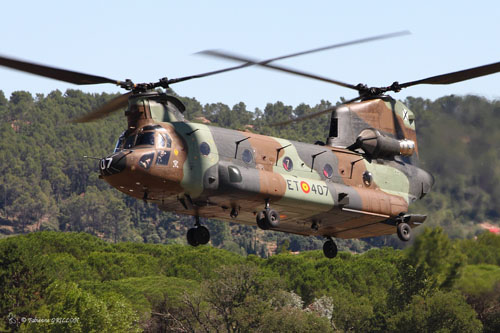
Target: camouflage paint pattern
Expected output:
[317,189]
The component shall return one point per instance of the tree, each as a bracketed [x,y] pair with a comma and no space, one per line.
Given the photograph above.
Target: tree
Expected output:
[441,312]
[434,252]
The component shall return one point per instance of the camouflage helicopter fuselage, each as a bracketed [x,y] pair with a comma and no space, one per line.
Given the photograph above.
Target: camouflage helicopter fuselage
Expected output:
[338,189]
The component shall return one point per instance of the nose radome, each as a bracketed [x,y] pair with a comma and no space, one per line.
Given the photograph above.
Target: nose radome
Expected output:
[113,164]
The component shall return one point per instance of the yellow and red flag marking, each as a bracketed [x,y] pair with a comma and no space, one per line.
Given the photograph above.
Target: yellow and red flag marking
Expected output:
[305,187]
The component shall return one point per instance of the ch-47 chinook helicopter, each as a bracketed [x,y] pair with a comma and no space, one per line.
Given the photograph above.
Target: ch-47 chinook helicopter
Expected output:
[358,184]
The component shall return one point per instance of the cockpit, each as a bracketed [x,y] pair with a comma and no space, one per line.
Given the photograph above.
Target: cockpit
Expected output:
[150,136]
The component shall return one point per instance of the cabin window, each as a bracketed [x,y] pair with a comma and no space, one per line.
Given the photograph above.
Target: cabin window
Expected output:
[287,163]
[163,157]
[367,178]
[145,138]
[247,156]
[204,148]
[328,171]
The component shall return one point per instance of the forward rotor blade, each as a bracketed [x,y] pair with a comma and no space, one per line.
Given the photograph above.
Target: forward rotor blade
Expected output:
[248,61]
[459,76]
[105,110]
[317,114]
[54,73]
[197,76]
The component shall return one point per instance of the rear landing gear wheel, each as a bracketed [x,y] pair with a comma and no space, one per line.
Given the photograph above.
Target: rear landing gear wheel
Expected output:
[404,231]
[330,249]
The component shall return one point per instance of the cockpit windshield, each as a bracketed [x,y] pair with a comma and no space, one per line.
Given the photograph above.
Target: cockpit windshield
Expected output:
[149,138]
[145,138]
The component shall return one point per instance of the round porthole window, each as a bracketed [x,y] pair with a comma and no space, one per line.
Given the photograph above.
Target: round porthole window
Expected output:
[287,163]
[204,148]
[247,156]
[328,171]
[367,178]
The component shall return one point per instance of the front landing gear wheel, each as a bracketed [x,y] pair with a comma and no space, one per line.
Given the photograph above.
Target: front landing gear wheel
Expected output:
[404,231]
[272,218]
[261,220]
[330,249]
[191,237]
[202,235]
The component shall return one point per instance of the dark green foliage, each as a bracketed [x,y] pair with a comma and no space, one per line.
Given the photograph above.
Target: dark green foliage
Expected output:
[457,138]
[441,312]
[132,286]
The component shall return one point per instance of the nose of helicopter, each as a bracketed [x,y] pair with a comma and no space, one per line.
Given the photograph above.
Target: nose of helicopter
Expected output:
[113,164]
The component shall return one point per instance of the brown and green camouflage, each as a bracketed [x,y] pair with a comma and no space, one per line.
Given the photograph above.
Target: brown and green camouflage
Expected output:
[336,189]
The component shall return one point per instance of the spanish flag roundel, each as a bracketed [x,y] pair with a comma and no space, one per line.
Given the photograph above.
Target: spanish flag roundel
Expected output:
[305,187]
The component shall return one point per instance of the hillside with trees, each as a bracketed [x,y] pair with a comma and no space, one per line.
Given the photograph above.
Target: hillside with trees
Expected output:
[107,262]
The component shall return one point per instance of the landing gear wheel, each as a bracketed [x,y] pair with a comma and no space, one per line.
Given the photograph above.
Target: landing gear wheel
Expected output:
[191,239]
[272,218]
[330,249]
[202,235]
[404,231]
[261,220]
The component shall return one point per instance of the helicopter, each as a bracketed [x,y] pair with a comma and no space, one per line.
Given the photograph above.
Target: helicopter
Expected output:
[359,183]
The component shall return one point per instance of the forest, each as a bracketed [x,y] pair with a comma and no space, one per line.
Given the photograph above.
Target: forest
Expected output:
[81,283]
[132,261]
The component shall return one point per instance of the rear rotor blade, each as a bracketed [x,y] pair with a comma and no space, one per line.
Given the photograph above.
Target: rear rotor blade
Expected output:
[248,61]
[334,46]
[317,114]
[262,63]
[459,76]
[53,72]
[105,110]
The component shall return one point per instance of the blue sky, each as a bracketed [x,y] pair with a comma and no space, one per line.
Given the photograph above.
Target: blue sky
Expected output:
[144,41]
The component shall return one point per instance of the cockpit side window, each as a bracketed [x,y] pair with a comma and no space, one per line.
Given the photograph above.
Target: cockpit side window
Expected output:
[119,143]
[129,143]
[145,138]
[169,141]
[164,141]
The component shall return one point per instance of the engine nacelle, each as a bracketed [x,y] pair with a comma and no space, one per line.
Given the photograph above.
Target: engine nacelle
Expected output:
[377,145]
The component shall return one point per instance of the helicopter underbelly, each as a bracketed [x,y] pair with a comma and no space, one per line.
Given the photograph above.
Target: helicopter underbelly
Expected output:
[335,220]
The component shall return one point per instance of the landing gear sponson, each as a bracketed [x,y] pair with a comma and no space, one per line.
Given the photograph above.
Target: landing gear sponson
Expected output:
[403,228]
[199,235]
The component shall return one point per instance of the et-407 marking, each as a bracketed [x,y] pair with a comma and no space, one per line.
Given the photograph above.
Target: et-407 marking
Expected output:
[295,185]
